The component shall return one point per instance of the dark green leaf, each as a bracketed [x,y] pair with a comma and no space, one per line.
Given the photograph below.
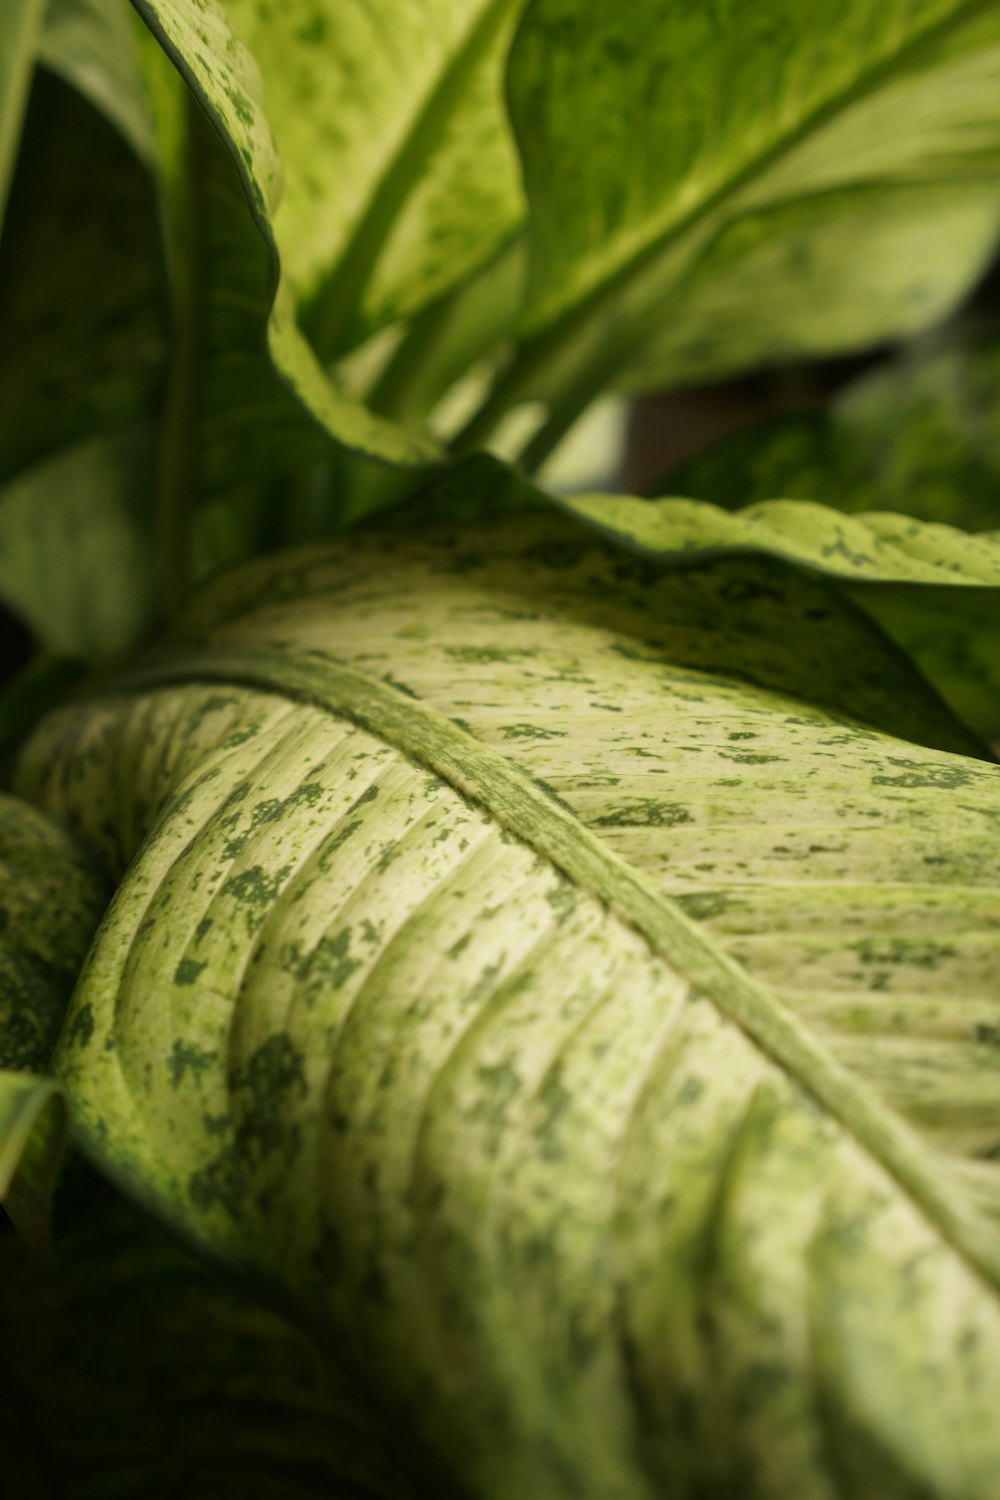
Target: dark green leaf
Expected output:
[82,308]
[921,436]
[20,25]
[131,1370]
[50,902]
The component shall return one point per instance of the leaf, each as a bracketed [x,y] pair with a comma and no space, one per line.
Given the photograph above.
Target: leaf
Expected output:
[79,353]
[33,1133]
[91,44]
[701,179]
[50,902]
[19,28]
[598,1046]
[935,590]
[920,435]
[266,395]
[76,545]
[135,1371]
[400,174]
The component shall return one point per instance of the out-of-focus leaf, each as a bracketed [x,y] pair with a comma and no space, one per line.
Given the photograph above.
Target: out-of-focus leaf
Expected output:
[921,436]
[135,1371]
[595,1037]
[82,304]
[50,902]
[76,544]
[33,1135]
[92,45]
[933,588]
[717,185]
[20,25]
[400,173]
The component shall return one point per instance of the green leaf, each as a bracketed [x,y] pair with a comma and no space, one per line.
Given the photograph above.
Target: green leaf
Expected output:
[79,352]
[920,435]
[934,589]
[716,186]
[91,44]
[134,1371]
[50,902]
[33,1134]
[19,29]
[400,173]
[266,396]
[76,544]
[593,1036]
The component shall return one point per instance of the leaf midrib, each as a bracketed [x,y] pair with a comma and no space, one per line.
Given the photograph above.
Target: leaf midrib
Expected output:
[540,819]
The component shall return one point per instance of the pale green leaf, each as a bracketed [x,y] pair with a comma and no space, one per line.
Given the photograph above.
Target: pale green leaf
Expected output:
[50,902]
[20,25]
[933,588]
[134,1371]
[717,185]
[591,1035]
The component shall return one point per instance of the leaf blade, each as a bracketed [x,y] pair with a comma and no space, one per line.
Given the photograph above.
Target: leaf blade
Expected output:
[542,1279]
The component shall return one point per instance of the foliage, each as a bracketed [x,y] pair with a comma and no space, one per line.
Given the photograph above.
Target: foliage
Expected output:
[552,958]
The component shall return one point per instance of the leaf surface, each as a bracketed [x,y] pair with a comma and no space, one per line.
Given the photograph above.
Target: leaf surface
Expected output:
[267,401]
[933,588]
[594,1036]
[50,902]
[79,352]
[19,29]
[133,1370]
[70,520]
[701,179]
[920,435]
[400,173]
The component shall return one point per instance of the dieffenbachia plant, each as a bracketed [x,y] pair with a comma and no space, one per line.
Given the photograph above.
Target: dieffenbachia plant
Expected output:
[537,950]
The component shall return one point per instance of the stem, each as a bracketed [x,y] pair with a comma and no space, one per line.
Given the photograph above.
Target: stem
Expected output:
[177,466]
[507,390]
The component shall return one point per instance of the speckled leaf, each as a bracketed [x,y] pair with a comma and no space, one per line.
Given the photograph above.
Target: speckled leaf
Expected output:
[933,588]
[594,1038]
[20,25]
[716,185]
[400,173]
[267,397]
[50,902]
[131,1370]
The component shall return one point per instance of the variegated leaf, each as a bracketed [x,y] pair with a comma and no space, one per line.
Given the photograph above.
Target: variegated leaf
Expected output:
[717,186]
[50,902]
[592,1035]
